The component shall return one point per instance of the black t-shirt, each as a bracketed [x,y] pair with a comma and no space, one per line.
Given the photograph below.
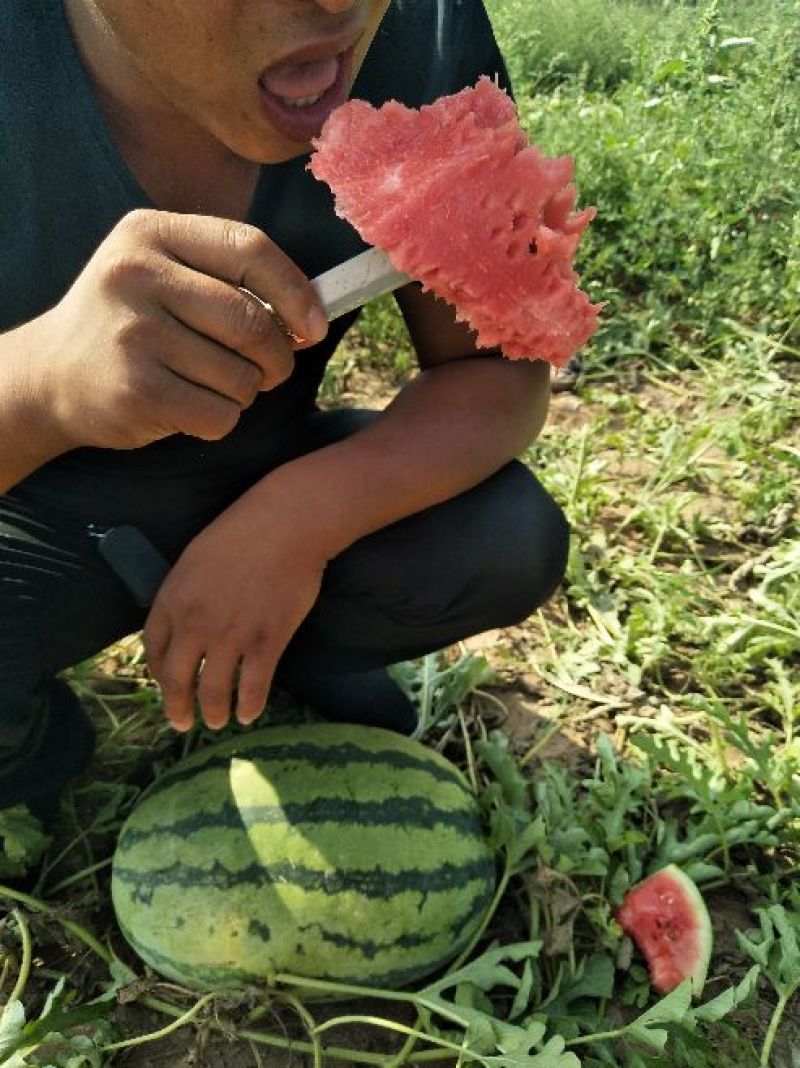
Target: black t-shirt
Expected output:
[64,186]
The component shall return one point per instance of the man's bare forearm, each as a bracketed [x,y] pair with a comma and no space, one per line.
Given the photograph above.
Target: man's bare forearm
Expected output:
[29,436]
[452,427]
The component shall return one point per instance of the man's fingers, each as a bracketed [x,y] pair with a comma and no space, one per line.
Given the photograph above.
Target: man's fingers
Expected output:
[155,639]
[210,365]
[237,321]
[175,671]
[244,256]
[194,410]
[215,688]
[255,680]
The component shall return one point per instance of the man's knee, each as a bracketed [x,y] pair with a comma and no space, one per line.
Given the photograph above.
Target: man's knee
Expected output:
[483,560]
[523,552]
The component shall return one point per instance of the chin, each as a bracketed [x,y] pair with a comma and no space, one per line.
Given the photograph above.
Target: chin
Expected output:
[255,142]
[277,150]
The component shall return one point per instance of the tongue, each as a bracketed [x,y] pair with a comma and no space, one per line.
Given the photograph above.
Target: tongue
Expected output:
[296,80]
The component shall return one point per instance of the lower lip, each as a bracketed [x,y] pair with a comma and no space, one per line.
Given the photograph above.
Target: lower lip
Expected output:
[304,123]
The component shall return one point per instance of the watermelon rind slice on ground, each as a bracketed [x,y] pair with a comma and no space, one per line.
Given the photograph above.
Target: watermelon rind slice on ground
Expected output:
[667,918]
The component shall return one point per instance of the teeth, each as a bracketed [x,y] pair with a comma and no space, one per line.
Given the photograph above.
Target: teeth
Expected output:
[302,101]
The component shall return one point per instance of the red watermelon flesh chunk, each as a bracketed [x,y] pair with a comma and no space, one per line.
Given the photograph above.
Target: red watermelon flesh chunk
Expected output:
[457,199]
[669,922]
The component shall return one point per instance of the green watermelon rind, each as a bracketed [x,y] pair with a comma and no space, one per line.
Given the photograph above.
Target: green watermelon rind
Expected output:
[379,919]
[686,886]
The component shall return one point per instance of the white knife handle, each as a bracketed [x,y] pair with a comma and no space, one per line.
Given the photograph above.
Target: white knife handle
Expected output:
[356,281]
[351,284]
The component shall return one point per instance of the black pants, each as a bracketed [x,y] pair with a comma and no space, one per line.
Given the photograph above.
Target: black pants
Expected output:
[485,559]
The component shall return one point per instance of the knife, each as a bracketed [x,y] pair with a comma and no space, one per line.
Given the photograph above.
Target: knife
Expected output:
[357,281]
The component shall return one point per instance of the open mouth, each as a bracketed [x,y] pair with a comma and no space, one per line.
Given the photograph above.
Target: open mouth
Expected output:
[299,97]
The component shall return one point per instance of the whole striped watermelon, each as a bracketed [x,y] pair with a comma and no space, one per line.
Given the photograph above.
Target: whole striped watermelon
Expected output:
[325,850]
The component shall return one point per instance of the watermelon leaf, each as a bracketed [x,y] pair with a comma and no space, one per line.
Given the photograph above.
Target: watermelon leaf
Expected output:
[505,770]
[593,978]
[12,1021]
[77,1051]
[512,1039]
[574,1005]
[485,1032]
[778,954]
[672,1009]
[22,1039]
[438,687]
[513,831]
[552,1056]
[523,995]
[487,971]
[22,841]
[531,838]
[777,951]
[727,1001]
[789,962]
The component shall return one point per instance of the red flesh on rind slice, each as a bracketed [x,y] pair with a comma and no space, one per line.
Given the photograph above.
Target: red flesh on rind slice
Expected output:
[668,920]
[457,199]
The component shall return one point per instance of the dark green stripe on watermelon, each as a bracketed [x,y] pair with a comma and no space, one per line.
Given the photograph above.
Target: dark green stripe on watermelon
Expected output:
[373,883]
[400,812]
[370,949]
[316,757]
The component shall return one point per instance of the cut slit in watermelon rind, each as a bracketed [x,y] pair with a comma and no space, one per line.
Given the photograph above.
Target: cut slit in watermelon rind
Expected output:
[667,918]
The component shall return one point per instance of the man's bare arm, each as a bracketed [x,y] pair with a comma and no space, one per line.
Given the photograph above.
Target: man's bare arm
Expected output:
[29,437]
[449,429]
[469,412]
[242,587]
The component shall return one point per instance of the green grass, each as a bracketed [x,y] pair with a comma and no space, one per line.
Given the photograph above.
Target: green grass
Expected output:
[600,42]
[667,668]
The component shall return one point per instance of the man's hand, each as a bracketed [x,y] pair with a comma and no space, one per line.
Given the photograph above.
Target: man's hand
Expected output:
[230,605]
[156,338]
